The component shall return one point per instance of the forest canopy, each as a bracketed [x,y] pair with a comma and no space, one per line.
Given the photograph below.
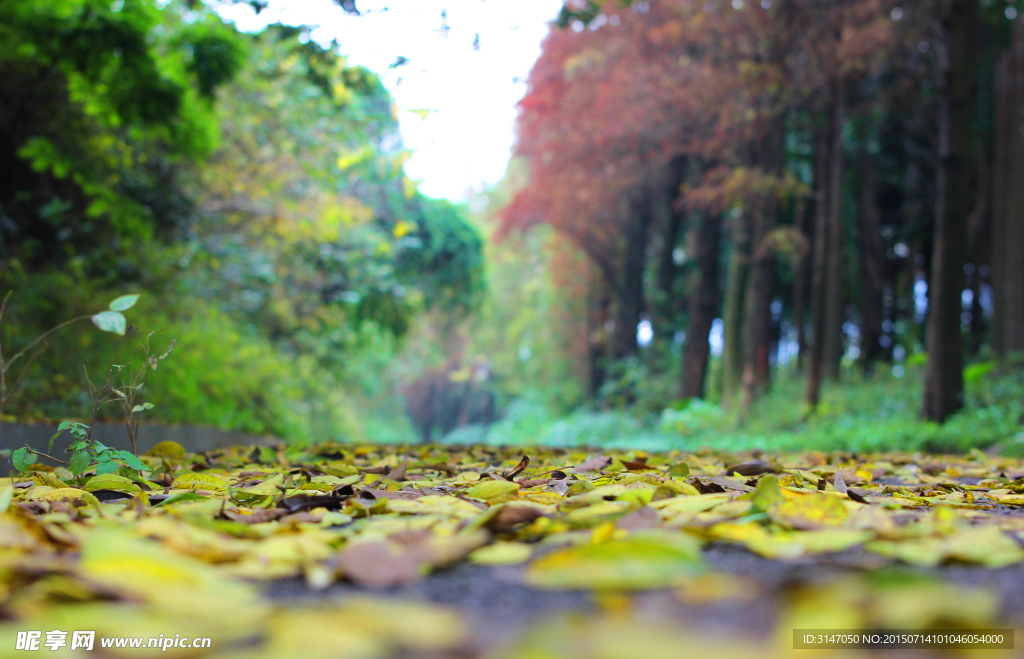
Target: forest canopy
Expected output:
[833,184]
[251,185]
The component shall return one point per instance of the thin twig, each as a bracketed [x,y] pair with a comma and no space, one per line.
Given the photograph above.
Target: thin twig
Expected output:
[3,307]
[32,450]
[3,367]
[24,372]
[40,338]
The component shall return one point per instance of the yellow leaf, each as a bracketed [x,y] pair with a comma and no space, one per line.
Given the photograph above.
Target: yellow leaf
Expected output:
[502,553]
[43,478]
[692,504]
[636,562]
[766,494]
[494,491]
[69,494]
[547,498]
[605,511]
[111,482]
[641,496]
[167,449]
[813,511]
[195,481]
[258,494]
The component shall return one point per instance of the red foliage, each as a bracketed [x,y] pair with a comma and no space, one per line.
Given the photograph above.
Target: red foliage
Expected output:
[608,108]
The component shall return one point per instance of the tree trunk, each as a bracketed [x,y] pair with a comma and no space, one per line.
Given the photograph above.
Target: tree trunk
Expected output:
[818,263]
[735,292]
[669,306]
[872,266]
[800,289]
[630,291]
[1013,262]
[703,307]
[760,287]
[943,387]
[756,368]
[1002,143]
[599,305]
[834,289]
[980,227]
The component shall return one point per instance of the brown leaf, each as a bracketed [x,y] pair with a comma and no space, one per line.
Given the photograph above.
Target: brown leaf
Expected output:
[839,483]
[344,491]
[511,515]
[729,484]
[479,504]
[637,465]
[640,520]
[593,463]
[560,486]
[377,564]
[707,488]
[524,462]
[857,494]
[449,468]
[398,473]
[300,518]
[371,493]
[258,517]
[752,468]
[300,502]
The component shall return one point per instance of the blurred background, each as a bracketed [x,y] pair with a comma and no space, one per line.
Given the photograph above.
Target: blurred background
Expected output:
[771,224]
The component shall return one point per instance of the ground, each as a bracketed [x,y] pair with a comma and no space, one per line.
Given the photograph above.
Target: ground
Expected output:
[440,551]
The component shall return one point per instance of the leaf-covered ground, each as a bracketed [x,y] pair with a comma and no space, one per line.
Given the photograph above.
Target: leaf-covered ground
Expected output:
[438,551]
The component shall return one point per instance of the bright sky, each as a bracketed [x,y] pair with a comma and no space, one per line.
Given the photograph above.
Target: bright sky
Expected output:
[465,142]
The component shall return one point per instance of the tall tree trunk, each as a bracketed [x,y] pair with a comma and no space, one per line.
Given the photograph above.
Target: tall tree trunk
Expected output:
[1002,146]
[872,266]
[735,292]
[1013,266]
[630,291]
[980,227]
[819,262]
[760,287]
[943,387]
[800,288]
[703,306]
[834,289]
[599,305]
[669,306]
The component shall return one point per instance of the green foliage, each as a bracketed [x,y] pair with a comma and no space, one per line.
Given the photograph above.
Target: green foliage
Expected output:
[21,459]
[120,108]
[325,239]
[449,251]
[85,453]
[251,184]
[880,414]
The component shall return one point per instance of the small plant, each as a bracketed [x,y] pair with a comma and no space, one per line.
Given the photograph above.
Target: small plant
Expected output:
[85,452]
[111,320]
[126,389]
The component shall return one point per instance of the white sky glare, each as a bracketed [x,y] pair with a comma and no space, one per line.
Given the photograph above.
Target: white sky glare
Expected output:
[465,142]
